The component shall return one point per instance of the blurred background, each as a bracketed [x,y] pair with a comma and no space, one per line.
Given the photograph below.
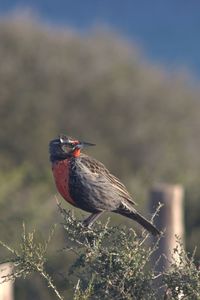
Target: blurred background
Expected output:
[122,74]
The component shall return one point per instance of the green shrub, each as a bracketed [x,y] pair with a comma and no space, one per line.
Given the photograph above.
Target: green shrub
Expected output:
[109,263]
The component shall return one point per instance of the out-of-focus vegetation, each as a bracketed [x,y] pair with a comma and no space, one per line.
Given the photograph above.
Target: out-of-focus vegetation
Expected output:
[144,121]
[109,263]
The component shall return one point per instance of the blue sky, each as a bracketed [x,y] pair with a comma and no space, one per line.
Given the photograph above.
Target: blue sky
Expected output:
[167,31]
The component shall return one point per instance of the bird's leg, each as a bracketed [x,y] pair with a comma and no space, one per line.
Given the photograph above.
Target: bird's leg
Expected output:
[88,222]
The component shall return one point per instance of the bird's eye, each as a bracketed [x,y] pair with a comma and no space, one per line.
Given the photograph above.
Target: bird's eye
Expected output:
[71,145]
[68,147]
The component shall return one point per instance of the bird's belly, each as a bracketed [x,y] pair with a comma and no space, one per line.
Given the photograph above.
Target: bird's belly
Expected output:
[92,195]
[61,175]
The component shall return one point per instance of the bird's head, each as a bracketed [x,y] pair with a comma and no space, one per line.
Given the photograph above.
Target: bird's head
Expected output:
[65,146]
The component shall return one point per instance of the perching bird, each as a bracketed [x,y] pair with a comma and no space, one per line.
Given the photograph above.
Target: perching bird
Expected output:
[86,183]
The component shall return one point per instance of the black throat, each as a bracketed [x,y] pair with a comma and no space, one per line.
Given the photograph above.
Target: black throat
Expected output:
[56,152]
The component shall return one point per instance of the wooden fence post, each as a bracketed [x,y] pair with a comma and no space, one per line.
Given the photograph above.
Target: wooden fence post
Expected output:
[7,287]
[169,220]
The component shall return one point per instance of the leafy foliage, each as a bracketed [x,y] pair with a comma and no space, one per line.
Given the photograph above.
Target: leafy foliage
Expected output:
[31,257]
[110,263]
[183,277]
[111,260]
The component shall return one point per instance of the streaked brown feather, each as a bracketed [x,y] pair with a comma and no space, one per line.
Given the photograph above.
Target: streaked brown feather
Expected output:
[98,168]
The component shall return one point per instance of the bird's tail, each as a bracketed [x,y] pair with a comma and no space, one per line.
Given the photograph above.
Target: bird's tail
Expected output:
[134,215]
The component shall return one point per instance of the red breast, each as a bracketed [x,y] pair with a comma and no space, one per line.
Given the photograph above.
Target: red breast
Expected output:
[61,175]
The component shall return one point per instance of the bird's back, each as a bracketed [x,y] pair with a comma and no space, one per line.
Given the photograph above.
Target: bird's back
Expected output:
[93,188]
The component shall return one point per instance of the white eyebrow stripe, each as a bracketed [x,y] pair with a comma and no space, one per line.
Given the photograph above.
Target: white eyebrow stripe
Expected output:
[61,140]
[66,140]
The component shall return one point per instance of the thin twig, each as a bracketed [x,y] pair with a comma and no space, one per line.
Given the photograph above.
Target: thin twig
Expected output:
[50,283]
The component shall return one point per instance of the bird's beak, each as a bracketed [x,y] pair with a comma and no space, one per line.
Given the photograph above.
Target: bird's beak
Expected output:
[85,144]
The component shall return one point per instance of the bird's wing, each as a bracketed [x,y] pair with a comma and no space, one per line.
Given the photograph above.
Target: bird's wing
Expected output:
[100,170]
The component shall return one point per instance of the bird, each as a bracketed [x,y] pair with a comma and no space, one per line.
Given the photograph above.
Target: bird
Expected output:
[86,183]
